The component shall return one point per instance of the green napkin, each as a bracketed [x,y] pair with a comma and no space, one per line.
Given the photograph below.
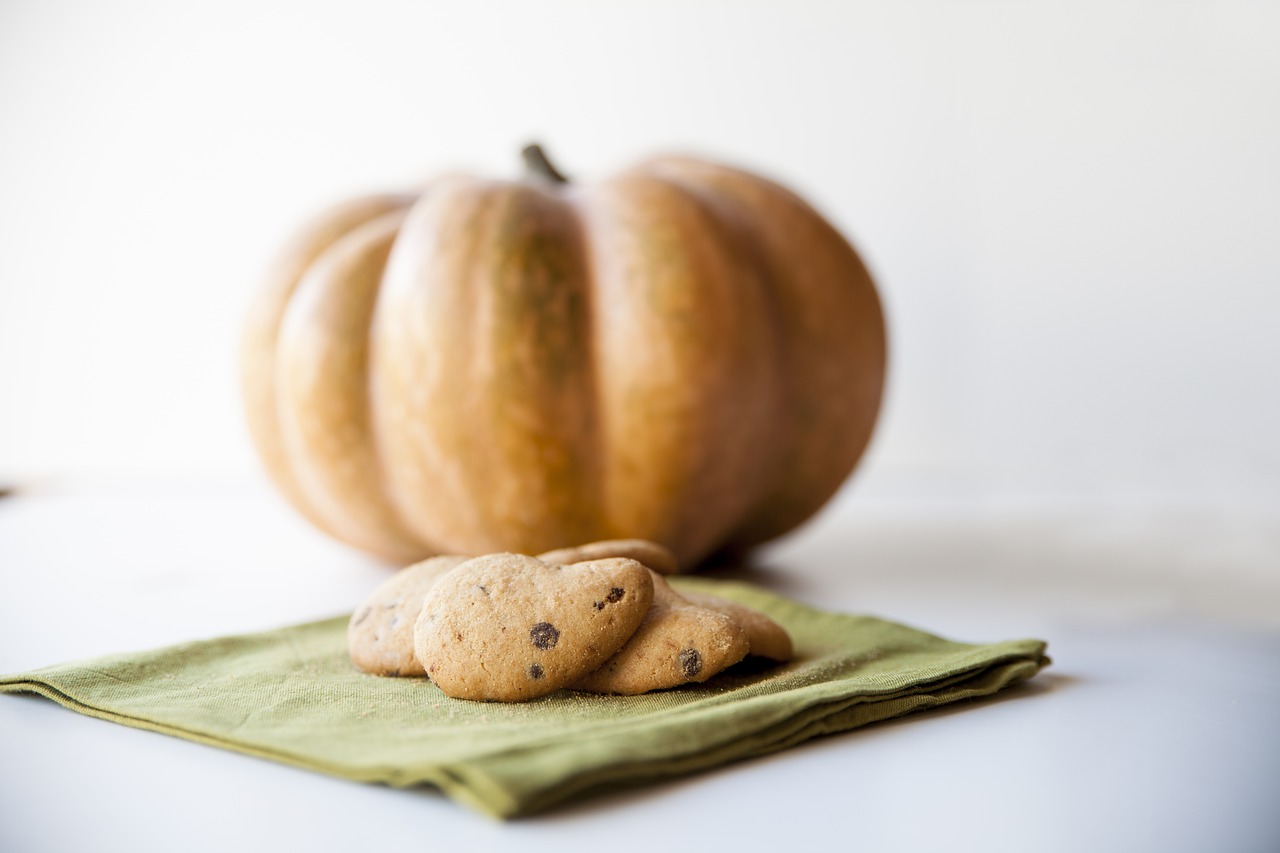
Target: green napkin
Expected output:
[292,695]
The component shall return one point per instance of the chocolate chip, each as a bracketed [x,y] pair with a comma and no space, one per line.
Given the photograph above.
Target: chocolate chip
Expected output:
[599,605]
[395,620]
[361,616]
[544,635]
[535,671]
[615,595]
[482,589]
[690,662]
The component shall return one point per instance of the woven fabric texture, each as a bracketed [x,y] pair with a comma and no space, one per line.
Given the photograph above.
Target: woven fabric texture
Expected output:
[292,695]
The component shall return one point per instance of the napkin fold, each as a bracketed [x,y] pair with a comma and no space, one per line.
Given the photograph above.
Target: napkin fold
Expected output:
[292,695]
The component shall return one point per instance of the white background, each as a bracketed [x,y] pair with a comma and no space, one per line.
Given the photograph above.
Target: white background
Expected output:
[1071,208]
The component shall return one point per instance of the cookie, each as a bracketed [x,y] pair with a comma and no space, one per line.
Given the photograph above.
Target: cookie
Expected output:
[510,627]
[766,638]
[380,633]
[655,556]
[678,642]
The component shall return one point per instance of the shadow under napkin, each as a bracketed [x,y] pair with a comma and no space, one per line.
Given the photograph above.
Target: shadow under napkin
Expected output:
[293,696]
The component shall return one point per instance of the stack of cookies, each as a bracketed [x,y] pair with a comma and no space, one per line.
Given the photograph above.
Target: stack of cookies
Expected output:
[597,617]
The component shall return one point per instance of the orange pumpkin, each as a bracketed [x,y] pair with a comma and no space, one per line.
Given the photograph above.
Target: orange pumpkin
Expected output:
[684,352]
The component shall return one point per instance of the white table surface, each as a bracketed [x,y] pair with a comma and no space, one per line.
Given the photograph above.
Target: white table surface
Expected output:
[1156,728]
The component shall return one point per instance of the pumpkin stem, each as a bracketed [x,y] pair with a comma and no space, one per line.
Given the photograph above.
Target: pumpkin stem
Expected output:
[538,164]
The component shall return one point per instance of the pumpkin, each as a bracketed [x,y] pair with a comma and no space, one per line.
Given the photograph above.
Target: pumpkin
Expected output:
[684,352]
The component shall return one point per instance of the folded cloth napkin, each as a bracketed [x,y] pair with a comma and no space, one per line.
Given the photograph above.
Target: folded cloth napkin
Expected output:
[293,696]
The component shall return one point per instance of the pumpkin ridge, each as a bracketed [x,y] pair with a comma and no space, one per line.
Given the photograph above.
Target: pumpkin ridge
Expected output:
[498,293]
[259,343]
[742,236]
[323,386]
[837,353]
[575,201]
[399,384]
[747,239]
[541,371]
[688,397]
